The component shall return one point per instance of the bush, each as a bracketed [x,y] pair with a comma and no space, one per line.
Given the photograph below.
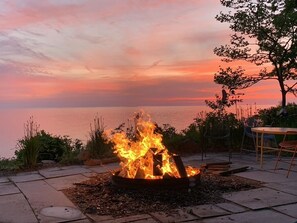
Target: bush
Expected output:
[72,152]
[40,145]
[29,146]
[271,116]
[170,138]
[98,144]
[9,164]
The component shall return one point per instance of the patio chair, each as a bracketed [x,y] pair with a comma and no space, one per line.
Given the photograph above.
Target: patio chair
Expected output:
[249,136]
[289,147]
[215,133]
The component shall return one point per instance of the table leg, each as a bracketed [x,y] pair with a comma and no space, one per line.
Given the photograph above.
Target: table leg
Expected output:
[257,145]
[262,144]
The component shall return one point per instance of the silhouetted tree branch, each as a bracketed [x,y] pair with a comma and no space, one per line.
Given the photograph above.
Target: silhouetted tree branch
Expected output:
[265,34]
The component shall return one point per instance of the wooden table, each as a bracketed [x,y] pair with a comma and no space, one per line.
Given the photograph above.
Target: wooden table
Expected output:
[271,131]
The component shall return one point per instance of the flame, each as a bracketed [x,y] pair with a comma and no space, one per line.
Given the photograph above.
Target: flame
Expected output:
[145,156]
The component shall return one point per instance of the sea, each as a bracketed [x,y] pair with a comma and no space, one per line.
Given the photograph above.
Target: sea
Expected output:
[75,122]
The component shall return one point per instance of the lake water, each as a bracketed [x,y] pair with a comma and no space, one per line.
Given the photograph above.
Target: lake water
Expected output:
[75,122]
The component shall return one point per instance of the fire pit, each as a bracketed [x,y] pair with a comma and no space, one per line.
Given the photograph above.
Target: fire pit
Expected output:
[170,183]
[145,162]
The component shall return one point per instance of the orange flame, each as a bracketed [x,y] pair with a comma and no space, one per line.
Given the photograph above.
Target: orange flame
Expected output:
[138,156]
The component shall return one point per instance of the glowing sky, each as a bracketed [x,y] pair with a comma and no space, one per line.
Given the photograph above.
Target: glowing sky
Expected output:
[112,53]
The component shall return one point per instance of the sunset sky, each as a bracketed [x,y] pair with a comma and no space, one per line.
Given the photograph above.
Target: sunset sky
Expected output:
[60,53]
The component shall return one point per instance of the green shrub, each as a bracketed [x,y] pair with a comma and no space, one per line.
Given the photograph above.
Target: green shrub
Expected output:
[9,164]
[72,152]
[171,139]
[29,146]
[52,147]
[271,116]
[98,144]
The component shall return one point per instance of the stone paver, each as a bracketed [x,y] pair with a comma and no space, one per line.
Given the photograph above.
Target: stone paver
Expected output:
[177,215]
[64,171]
[250,217]
[289,187]
[290,210]
[260,198]
[24,177]
[4,180]
[264,176]
[8,188]
[274,203]
[205,211]
[41,195]
[134,218]
[61,183]
[14,208]
[231,207]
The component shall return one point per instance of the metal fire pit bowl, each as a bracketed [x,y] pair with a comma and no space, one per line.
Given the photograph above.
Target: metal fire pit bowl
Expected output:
[166,183]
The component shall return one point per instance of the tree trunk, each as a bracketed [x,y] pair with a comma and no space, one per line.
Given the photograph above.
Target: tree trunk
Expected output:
[284,99]
[282,86]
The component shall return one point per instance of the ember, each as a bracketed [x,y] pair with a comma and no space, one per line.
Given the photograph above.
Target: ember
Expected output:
[145,157]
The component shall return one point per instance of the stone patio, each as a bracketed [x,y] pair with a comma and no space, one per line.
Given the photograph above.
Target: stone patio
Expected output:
[36,196]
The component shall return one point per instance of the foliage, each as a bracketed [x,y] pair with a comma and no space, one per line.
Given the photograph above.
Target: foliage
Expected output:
[29,146]
[72,152]
[170,137]
[272,116]
[98,144]
[9,164]
[265,34]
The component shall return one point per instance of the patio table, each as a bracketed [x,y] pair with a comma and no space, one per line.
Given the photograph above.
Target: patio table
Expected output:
[261,131]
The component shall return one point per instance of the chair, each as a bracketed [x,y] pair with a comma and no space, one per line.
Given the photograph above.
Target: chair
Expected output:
[249,135]
[288,146]
[218,132]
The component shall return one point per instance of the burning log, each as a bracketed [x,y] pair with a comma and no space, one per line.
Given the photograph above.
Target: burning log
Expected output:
[157,164]
[145,160]
[180,166]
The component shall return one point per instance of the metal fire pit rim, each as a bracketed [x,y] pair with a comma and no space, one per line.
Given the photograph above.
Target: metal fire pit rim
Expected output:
[165,183]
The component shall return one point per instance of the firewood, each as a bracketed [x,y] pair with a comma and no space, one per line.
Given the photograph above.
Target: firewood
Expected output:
[157,164]
[216,163]
[235,170]
[180,166]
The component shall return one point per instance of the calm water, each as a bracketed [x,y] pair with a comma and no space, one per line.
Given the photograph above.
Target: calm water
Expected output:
[75,122]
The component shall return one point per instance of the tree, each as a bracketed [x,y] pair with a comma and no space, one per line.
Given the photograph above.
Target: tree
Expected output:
[265,34]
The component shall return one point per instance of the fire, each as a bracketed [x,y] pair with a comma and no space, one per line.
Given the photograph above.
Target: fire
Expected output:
[145,156]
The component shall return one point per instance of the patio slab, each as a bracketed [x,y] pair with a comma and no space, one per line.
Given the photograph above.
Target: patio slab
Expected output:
[14,208]
[231,207]
[288,210]
[4,180]
[133,218]
[204,211]
[252,216]
[289,187]
[41,195]
[264,176]
[260,198]
[8,188]
[24,177]
[177,215]
[64,171]
[61,183]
